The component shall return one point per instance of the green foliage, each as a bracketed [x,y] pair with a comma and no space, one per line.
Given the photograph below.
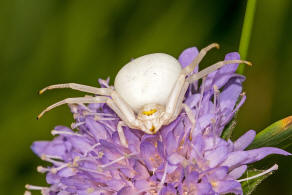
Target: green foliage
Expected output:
[229,129]
[279,134]
[250,185]
[246,31]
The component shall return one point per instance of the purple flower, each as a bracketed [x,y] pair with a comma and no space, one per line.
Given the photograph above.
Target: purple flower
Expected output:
[176,160]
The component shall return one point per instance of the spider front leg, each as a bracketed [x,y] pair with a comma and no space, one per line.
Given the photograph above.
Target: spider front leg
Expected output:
[121,133]
[125,112]
[190,68]
[116,104]
[214,67]
[78,100]
[174,104]
[79,87]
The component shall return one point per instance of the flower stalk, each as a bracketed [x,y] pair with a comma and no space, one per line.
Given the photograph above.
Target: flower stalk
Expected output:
[246,32]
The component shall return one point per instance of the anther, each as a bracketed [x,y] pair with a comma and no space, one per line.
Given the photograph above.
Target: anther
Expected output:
[73,108]
[90,190]
[42,169]
[75,161]
[27,193]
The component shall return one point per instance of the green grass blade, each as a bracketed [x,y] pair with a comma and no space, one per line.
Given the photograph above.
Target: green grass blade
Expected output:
[278,134]
[246,32]
[250,185]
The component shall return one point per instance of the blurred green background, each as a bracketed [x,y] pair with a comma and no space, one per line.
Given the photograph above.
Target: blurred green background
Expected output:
[58,41]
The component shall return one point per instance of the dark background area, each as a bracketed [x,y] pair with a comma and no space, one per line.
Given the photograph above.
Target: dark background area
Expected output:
[58,41]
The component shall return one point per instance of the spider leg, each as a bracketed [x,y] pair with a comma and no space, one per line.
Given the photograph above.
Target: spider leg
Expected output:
[127,117]
[117,104]
[78,100]
[214,67]
[79,87]
[121,134]
[125,112]
[124,108]
[174,104]
[179,103]
[189,69]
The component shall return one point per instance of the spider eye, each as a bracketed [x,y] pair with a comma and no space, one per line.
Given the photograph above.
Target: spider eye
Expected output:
[149,112]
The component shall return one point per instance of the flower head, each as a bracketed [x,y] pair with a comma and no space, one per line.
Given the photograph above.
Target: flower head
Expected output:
[179,159]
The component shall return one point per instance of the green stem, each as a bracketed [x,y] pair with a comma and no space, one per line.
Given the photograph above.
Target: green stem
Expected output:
[246,32]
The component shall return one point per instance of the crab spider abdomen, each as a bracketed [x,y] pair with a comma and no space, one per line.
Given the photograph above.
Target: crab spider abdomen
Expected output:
[148,79]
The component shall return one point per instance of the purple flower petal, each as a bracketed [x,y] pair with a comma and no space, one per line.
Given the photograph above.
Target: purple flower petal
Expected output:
[168,190]
[80,144]
[141,171]
[171,143]
[218,173]
[193,100]
[53,148]
[126,191]
[245,140]
[229,186]
[222,75]
[229,96]
[260,153]
[237,172]
[187,57]
[235,158]
[97,129]
[216,156]
[175,158]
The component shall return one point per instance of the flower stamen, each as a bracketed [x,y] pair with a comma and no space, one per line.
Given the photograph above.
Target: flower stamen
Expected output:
[33,187]
[48,159]
[117,160]
[55,132]
[75,125]
[273,168]
[92,148]
[42,169]
[201,98]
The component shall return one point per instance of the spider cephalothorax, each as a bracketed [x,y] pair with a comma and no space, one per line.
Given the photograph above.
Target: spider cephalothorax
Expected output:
[148,92]
[150,116]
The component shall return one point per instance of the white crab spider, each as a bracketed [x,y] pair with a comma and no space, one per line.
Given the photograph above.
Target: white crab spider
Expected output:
[148,91]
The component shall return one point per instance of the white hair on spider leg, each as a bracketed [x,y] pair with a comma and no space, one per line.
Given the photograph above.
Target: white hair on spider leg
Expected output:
[148,91]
